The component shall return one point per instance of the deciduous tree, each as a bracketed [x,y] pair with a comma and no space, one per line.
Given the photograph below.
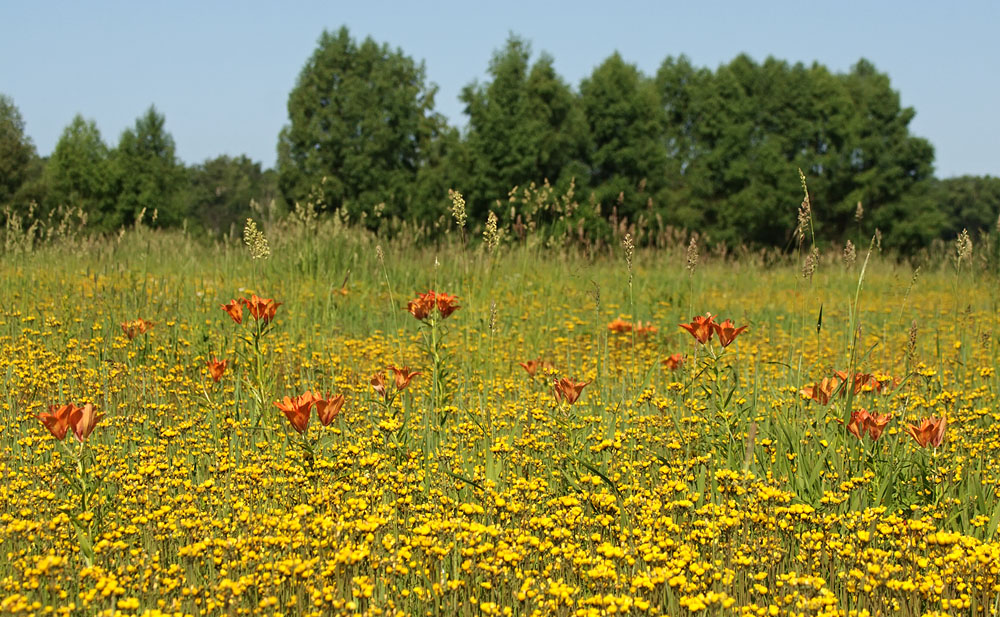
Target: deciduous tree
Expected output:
[147,175]
[17,152]
[79,171]
[525,125]
[361,127]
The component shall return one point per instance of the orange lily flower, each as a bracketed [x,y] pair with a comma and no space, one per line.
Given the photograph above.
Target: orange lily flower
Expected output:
[446,305]
[867,382]
[701,328]
[568,390]
[235,310]
[673,362]
[821,391]
[83,421]
[856,425]
[403,376]
[57,419]
[620,326]
[297,410]
[860,381]
[262,309]
[532,366]
[643,329]
[379,385]
[328,408]
[216,368]
[877,423]
[136,327]
[930,432]
[863,422]
[864,382]
[727,331]
[422,306]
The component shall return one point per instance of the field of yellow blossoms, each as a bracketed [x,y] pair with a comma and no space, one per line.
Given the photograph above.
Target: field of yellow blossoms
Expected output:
[342,428]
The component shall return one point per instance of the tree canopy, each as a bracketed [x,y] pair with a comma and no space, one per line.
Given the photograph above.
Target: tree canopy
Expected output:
[17,152]
[712,151]
[525,125]
[147,174]
[361,123]
[79,171]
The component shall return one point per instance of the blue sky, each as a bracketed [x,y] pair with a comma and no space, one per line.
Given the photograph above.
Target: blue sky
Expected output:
[221,71]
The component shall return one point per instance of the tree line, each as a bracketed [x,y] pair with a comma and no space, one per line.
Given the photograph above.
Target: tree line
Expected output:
[715,152]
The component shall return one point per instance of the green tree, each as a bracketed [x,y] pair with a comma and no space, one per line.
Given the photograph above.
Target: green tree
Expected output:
[738,136]
[147,175]
[525,125]
[18,159]
[736,169]
[79,171]
[361,127]
[891,168]
[220,190]
[681,87]
[968,202]
[628,154]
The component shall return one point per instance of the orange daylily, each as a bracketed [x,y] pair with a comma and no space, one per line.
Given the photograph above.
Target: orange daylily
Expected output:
[877,423]
[136,327]
[673,362]
[862,422]
[866,382]
[861,382]
[297,410]
[83,420]
[328,408]
[403,376]
[856,425]
[235,310]
[532,366]
[261,309]
[643,329]
[61,418]
[568,390]
[57,419]
[727,331]
[821,391]
[422,306]
[379,385]
[446,305]
[216,368]
[620,326]
[701,328]
[930,432]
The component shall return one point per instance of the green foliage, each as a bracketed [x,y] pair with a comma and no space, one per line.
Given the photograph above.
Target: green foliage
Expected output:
[147,175]
[18,160]
[739,134]
[713,152]
[525,126]
[968,202]
[628,156]
[79,171]
[361,128]
[220,191]
[888,164]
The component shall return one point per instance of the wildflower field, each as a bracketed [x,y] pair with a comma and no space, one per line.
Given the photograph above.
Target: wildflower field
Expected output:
[328,423]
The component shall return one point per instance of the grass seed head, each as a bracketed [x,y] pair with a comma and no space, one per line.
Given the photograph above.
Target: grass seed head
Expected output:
[256,241]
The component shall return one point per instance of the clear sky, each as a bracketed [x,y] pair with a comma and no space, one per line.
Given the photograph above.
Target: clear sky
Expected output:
[221,71]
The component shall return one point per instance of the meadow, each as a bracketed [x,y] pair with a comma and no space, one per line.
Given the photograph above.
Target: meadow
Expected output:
[326,422]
